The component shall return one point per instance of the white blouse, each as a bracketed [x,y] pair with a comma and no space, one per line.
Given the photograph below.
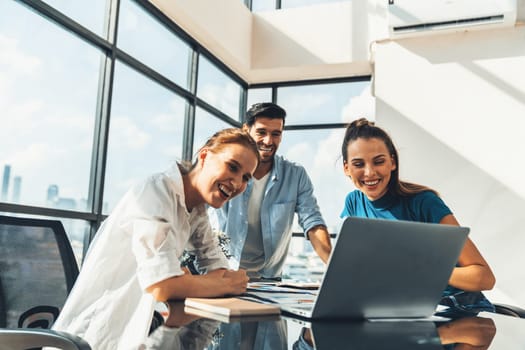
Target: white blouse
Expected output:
[138,245]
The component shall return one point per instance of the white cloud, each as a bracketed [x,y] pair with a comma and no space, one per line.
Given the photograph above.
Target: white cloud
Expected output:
[20,115]
[173,119]
[128,21]
[34,156]
[223,97]
[359,107]
[320,155]
[126,133]
[298,151]
[166,121]
[14,66]
[125,184]
[303,103]
[71,120]
[328,154]
[331,185]
[177,105]
[17,61]
[29,121]
[174,152]
[4,87]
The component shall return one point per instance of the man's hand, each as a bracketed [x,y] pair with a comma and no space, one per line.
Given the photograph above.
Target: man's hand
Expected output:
[320,239]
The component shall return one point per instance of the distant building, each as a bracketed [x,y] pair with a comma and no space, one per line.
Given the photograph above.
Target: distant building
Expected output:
[17,188]
[82,204]
[52,195]
[5,182]
[65,203]
[54,200]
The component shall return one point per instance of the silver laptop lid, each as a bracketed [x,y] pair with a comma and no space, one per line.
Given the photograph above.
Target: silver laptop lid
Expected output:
[388,269]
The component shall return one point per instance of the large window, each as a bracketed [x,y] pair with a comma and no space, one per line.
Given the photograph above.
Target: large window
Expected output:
[259,95]
[48,96]
[205,126]
[89,14]
[319,151]
[145,134]
[323,103]
[87,110]
[167,54]
[217,89]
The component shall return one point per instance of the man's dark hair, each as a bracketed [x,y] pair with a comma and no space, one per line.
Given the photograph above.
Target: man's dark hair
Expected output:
[264,109]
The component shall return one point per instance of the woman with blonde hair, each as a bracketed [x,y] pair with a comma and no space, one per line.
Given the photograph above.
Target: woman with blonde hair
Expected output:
[134,259]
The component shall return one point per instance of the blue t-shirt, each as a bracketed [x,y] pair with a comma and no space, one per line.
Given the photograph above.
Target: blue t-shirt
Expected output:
[423,207]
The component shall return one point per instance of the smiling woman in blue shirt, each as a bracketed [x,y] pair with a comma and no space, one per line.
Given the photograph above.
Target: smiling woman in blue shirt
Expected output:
[371,161]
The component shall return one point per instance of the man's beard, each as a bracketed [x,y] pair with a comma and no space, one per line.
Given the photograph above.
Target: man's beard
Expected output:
[269,159]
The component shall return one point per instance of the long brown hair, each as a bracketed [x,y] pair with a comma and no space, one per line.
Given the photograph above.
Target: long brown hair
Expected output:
[362,128]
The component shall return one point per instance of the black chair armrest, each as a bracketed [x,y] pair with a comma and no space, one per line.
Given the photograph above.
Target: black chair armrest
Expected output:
[510,310]
[24,338]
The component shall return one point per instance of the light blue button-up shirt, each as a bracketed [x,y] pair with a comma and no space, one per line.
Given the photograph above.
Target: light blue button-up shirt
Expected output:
[289,190]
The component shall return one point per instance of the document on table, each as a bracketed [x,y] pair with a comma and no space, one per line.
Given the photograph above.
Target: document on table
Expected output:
[280,293]
[283,287]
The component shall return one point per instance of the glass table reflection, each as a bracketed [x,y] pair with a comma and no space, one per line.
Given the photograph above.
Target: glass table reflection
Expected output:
[185,331]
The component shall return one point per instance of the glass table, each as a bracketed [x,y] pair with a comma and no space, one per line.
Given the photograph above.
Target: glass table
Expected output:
[185,331]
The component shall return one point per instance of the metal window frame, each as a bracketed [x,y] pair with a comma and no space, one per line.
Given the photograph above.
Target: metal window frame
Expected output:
[107,44]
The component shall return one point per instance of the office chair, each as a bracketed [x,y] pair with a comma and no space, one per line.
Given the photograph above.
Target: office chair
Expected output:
[509,310]
[37,271]
[18,339]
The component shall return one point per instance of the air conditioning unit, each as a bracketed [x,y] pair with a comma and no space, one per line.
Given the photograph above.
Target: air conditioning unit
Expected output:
[419,17]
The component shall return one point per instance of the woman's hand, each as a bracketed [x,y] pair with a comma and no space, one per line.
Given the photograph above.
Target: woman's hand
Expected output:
[215,283]
[177,317]
[237,280]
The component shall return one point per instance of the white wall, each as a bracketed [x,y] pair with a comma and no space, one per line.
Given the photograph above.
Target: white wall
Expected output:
[455,106]
[319,41]
[312,42]
[224,27]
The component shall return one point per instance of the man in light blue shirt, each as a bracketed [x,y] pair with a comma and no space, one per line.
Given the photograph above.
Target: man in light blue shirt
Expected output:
[259,221]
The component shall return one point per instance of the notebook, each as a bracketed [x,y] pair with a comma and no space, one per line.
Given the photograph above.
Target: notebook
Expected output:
[228,308]
[224,318]
[384,269]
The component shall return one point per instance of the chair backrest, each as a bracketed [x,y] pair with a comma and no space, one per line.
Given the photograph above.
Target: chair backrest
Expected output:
[510,310]
[30,338]
[37,271]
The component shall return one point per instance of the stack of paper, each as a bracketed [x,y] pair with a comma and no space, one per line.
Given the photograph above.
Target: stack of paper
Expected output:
[228,307]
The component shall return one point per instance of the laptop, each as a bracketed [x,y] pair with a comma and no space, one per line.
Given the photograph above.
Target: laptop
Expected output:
[384,269]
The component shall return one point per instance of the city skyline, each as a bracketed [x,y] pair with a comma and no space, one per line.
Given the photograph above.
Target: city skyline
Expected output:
[52,196]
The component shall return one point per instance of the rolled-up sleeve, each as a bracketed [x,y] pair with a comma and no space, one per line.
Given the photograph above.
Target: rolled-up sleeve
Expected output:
[161,229]
[154,245]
